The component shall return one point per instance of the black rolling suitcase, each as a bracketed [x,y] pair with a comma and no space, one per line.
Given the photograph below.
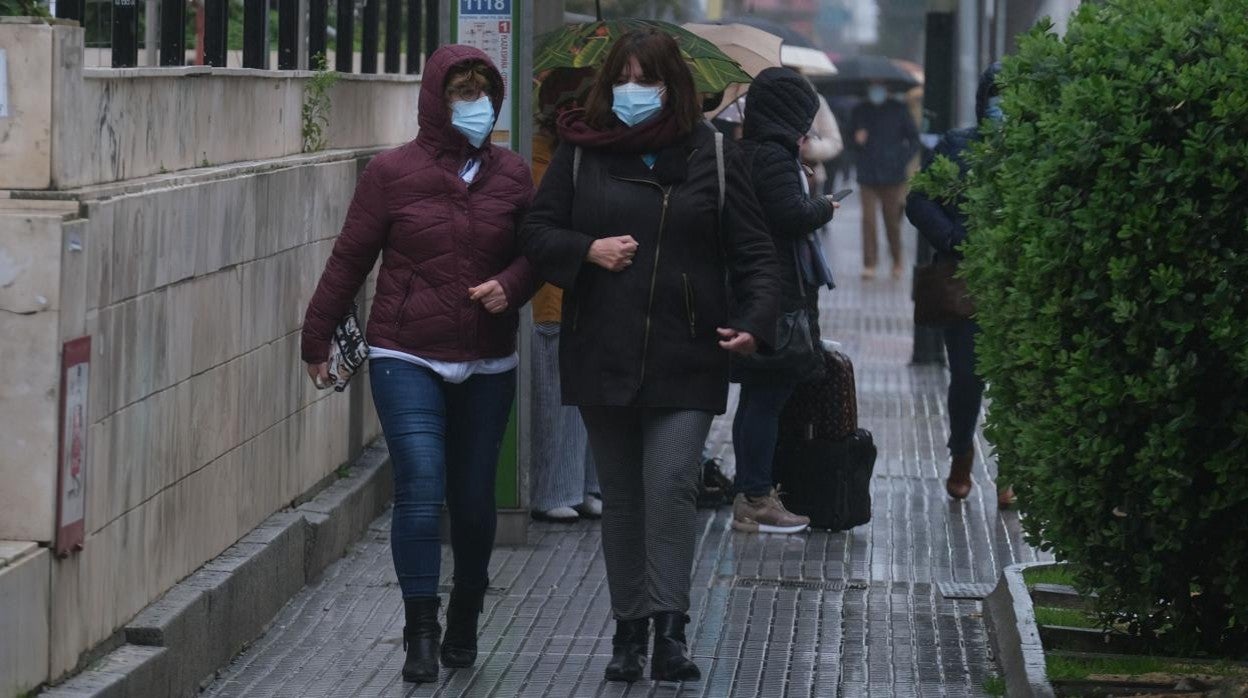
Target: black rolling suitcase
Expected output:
[823,460]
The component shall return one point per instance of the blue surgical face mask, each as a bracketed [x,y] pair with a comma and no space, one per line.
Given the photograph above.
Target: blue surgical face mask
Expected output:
[877,94]
[993,111]
[473,119]
[634,103]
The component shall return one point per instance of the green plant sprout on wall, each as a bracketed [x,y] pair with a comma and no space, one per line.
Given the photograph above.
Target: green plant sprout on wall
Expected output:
[316,106]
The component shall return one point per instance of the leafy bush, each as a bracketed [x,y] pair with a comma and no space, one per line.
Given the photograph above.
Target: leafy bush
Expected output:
[1108,255]
[23,8]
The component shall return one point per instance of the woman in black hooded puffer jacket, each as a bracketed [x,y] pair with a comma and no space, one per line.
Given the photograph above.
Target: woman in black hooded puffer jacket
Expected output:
[779,109]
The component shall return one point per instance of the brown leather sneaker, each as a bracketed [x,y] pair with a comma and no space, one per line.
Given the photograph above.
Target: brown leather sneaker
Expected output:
[765,514]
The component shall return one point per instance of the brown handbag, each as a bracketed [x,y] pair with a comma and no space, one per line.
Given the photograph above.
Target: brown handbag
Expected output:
[940,298]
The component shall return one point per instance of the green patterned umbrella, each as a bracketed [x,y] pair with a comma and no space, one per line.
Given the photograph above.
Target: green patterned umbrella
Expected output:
[586,45]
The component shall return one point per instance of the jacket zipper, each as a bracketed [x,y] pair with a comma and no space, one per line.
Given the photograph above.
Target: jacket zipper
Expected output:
[398,319]
[654,278]
[654,273]
[689,305]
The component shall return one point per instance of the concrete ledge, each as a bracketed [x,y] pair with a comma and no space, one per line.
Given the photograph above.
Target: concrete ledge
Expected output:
[199,625]
[126,672]
[341,513]
[1014,636]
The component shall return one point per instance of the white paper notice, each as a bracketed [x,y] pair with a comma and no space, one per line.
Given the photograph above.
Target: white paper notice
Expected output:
[486,24]
[4,83]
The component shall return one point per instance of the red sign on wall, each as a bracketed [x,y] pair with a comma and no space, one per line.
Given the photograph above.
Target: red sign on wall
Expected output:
[71,497]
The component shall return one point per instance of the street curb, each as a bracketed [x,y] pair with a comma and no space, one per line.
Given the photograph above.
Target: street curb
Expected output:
[177,643]
[1014,637]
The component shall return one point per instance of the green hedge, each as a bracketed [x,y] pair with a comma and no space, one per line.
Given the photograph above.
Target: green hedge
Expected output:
[1108,255]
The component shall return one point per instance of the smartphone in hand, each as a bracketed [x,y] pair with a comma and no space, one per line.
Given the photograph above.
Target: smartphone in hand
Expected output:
[840,195]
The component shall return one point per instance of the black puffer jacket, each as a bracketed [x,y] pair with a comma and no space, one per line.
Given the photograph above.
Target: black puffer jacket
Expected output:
[779,109]
[646,336]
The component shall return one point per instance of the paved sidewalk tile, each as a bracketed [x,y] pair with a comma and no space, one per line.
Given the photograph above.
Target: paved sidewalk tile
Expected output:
[856,613]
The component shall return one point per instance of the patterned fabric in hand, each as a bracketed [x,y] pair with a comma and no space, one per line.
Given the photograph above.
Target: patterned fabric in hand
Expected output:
[349,351]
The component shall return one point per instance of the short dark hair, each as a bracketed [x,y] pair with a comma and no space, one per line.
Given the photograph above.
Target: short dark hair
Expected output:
[479,75]
[660,60]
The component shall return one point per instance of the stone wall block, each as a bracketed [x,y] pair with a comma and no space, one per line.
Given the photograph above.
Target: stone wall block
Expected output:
[30,263]
[69,104]
[140,332]
[258,405]
[208,244]
[105,360]
[123,476]
[99,447]
[24,607]
[258,487]
[286,206]
[135,251]
[213,304]
[256,212]
[184,216]
[29,389]
[260,290]
[26,134]
[73,278]
[213,427]
[99,241]
[178,341]
[238,201]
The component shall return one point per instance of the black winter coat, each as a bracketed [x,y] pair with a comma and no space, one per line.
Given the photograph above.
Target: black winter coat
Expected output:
[943,225]
[780,107]
[646,336]
[892,139]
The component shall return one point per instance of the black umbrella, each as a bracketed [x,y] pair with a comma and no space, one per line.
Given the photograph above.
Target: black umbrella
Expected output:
[855,73]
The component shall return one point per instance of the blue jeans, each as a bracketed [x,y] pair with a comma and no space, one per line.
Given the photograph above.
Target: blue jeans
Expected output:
[754,431]
[444,440]
[966,389]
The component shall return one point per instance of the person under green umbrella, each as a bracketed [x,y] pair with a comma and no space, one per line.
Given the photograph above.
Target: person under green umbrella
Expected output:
[634,221]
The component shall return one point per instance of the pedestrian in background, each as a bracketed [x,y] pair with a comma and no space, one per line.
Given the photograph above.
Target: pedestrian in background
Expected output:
[944,226]
[442,211]
[563,480]
[628,222]
[885,139]
[780,108]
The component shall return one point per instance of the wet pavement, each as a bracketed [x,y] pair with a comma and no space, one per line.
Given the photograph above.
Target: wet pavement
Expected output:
[890,608]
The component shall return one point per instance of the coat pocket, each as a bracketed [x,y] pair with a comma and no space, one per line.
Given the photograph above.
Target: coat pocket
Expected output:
[690,312]
[407,294]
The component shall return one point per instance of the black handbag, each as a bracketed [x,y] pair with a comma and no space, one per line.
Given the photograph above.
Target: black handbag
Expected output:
[797,353]
[940,297]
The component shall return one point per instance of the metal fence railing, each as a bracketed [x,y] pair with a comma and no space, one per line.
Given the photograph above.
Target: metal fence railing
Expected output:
[348,34]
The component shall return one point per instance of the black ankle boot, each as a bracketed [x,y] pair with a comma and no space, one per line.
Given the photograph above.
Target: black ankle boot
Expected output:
[420,640]
[628,650]
[671,660]
[459,647]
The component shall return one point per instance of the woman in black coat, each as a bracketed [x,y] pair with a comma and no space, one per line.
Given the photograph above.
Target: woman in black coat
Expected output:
[628,222]
[779,109]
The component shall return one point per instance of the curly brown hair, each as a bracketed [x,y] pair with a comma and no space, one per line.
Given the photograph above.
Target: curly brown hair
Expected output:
[659,57]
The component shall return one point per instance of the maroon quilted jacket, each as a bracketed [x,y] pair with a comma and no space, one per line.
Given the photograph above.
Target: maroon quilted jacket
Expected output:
[437,237]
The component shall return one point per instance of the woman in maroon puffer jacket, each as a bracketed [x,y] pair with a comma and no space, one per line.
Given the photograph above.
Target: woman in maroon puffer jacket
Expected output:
[442,211]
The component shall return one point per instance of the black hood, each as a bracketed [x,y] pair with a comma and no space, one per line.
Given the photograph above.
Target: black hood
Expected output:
[987,90]
[780,106]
